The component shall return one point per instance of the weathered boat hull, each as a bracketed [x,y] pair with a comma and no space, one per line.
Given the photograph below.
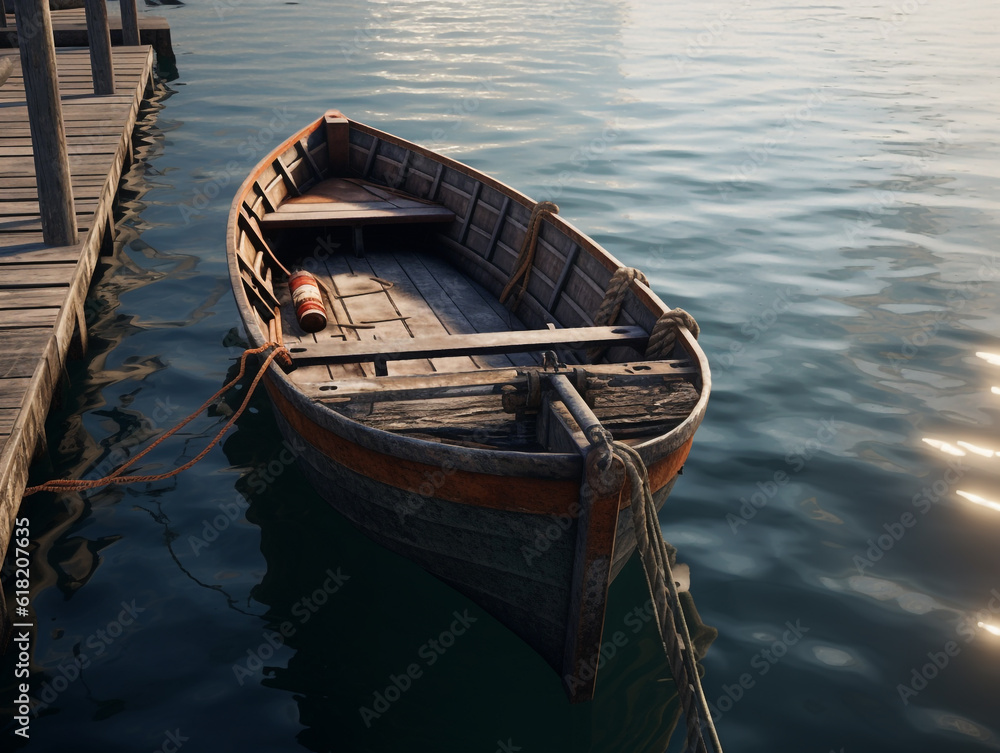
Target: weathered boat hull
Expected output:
[517,565]
[522,534]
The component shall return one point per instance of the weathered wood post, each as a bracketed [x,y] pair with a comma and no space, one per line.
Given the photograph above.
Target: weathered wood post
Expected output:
[48,136]
[99,39]
[130,23]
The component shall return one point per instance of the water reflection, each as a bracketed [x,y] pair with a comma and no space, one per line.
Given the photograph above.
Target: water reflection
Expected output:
[858,206]
[975,453]
[976,450]
[364,648]
[979,500]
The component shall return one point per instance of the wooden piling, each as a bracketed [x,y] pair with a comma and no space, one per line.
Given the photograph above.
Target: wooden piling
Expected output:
[48,136]
[42,287]
[99,40]
[130,23]
[69,28]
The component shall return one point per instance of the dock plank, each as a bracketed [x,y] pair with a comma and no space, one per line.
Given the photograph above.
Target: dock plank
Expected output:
[12,391]
[21,350]
[42,288]
[7,416]
[20,318]
[31,250]
[31,298]
[36,275]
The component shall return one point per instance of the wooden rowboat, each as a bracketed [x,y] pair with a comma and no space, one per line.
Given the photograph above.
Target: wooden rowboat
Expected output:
[459,432]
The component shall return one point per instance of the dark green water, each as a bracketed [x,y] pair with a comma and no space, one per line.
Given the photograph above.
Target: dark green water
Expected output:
[815,183]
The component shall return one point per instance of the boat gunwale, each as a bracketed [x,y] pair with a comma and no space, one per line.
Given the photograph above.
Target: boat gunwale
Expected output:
[507,462]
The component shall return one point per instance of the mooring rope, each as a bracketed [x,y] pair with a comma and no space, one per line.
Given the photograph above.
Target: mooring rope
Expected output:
[611,305]
[526,256]
[661,339]
[678,647]
[72,485]
[614,295]
[664,334]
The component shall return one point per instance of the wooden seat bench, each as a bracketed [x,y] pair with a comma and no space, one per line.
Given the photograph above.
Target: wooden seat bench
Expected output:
[339,202]
[484,343]
[342,201]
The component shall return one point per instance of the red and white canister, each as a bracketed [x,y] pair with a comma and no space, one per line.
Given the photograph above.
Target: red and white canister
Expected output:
[308,301]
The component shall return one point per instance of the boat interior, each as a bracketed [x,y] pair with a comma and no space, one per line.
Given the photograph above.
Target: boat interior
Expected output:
[417,340]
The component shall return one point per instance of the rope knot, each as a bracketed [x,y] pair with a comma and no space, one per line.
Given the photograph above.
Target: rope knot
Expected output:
[664,334]
[598,435]
[611,305]
[284,358]
[602,443]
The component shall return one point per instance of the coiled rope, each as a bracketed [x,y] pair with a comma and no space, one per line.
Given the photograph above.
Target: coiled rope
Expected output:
[611,305]
[614,295]
[70,485]
[661,339]
[677,644]
[664,334]
[526,256]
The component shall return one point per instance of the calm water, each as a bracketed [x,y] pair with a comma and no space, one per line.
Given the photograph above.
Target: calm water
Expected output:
[815,183]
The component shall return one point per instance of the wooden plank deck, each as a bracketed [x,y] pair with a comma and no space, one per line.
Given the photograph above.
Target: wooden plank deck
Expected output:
[69,29]
[42,288]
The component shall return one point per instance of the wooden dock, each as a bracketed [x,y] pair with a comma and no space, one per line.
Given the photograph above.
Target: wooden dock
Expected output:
[43,288]
[69,29]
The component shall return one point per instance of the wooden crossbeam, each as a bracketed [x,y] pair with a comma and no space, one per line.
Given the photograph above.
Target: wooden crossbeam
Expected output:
[492,381]
[486,343]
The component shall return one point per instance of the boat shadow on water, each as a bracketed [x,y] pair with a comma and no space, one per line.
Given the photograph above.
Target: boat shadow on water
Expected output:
[382,654]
